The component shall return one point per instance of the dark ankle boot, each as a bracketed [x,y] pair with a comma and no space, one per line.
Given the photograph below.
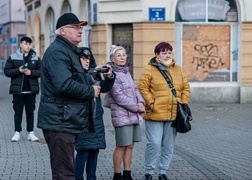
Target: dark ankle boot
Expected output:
[117,176]
[127,175]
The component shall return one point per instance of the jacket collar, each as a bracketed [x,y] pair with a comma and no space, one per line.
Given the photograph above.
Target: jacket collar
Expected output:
[115,68]
[68,44]
[161,66]
[19,53]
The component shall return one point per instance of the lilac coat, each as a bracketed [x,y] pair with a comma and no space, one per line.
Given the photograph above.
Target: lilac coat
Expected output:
[123,98]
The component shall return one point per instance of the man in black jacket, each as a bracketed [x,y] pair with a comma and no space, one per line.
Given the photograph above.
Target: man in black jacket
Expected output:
[66,96]
[23,67]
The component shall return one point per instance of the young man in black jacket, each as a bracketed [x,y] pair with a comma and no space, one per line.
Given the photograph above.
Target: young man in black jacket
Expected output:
[23,67]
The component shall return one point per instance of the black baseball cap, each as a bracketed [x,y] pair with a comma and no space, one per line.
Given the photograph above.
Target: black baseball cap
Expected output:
[69,18]
[27,39]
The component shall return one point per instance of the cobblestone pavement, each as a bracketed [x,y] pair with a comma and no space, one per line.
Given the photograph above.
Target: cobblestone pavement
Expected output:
[218,147]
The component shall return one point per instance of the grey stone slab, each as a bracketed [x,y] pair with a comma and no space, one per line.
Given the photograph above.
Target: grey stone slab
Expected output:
[218,146]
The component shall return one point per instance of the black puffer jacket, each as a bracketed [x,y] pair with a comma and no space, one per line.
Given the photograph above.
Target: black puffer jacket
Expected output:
[65,91]
[11,70]
[96,138]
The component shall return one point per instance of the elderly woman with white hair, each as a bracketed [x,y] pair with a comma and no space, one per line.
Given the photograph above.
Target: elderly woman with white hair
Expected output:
[127,109]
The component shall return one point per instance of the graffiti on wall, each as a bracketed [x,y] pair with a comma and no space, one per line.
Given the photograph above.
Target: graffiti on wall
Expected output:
[208,58]
[235,54]
[207,52]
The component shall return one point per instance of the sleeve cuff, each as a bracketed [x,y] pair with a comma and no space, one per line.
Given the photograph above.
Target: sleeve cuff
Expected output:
[112,76]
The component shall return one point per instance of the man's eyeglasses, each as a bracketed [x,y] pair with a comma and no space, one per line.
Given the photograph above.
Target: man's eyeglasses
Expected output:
[74,27]
[121,56]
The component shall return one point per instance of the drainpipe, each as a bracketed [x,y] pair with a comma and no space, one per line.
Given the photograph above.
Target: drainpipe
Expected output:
[10,9]
[207,11]
[10,32]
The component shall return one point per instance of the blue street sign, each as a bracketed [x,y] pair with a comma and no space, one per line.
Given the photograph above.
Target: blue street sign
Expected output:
[156,14]
[1,30]
[13,40]
[5,43]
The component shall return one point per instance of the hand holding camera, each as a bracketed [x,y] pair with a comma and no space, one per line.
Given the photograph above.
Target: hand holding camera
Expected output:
[103,69]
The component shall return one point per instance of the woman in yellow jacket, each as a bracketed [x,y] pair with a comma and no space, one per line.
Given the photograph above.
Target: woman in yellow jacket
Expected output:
[161,108]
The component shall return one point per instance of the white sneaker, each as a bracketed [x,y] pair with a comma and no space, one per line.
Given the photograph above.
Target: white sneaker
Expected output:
[16,137]
[32,137]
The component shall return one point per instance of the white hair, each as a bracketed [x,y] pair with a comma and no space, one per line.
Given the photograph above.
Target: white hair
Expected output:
[115,48]
[57,31]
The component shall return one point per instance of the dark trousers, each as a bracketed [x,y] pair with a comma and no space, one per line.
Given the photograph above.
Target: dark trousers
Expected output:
[61,148]
[88,157]
[19,102]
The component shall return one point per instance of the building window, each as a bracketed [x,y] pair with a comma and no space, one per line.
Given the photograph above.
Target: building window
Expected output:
[206,11]
[87,30]
[208,40]
[51,27]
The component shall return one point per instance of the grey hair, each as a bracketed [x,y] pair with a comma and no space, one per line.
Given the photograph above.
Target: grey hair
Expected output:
[57,31]
[115,48]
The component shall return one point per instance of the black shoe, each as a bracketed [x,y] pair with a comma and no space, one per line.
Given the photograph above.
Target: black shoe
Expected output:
[148,177]
[162,177]
[127,175]
[117,176]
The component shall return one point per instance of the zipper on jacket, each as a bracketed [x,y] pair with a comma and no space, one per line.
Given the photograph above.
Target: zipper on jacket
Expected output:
[22,83]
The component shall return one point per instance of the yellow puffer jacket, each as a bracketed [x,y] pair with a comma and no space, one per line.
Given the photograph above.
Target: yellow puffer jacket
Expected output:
[155,89]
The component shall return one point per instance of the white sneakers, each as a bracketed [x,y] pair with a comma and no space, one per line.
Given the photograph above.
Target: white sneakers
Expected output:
[16,137]
[30,137]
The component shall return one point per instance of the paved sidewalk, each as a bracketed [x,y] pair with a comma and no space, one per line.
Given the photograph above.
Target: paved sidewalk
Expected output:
[218,147]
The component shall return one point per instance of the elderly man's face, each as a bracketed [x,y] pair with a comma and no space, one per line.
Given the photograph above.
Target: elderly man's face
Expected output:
[72,33]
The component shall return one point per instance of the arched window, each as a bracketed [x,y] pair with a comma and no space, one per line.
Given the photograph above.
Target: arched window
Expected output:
[66,7]
[87,33]
[206,11]
[51,27]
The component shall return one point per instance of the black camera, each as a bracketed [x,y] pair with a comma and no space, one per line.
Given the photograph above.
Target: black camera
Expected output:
[103,69]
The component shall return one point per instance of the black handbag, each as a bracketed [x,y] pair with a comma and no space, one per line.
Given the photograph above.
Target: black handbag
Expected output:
[184,115]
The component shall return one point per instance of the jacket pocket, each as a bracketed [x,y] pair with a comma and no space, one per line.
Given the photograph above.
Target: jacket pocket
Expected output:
[76,116]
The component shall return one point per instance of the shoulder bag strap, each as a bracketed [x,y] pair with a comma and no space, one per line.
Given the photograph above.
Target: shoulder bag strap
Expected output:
[173,90]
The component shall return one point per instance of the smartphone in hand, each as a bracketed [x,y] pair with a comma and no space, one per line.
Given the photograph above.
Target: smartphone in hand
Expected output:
[25,66]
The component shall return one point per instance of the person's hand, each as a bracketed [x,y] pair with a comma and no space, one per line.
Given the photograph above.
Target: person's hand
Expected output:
[97,90]
[110,72]
[25,71]
[141,108]
[101,74]
[151,106]
[97,67]
[141,114]
[21,69]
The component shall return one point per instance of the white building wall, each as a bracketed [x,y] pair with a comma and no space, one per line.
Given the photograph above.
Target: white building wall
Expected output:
[246,10]
[120,11]
[11,10]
